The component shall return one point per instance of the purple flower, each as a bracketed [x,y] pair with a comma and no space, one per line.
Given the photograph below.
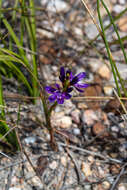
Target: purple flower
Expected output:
[73,80]
[57,94]
[68,82]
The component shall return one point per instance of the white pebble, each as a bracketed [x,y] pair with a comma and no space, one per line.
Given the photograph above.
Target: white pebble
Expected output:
[76,131]
[118,8]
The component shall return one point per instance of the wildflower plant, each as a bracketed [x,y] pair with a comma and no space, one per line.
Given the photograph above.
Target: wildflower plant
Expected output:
[62,92]
[69,82]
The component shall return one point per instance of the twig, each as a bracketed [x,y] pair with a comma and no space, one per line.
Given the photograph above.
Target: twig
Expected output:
[122,105]
[16,163]
[37,174]
[18,96]
[6,155]
[79,175]
[107,158]
[23,151]
[7,187]
[92,17]
[118,177]
[61,180]
[94,138]
[97,98]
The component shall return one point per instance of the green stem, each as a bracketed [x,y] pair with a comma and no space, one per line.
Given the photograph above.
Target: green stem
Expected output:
[107,48]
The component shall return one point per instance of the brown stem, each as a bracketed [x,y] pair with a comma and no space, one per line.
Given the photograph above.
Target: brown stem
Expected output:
[47,113]
[51,131]
[52,141]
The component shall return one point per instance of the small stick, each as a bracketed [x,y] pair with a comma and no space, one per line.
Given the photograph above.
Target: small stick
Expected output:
[79,175]
[34,169]
[124,109]
[92,153]
[118,177]
[7,187]
[6,155]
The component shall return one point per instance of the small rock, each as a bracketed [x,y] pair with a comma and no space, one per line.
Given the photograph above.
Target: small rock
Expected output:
[54,68]
[85,167]
[57,115]
[58,27]
[47,72]
[108,90]
[42,32]
[91,159]
[94,64]
[114,169]
[57,5]
[122,24]
[121,187]
[30,140]
[64,161]
[100,129]
[125,145]
[106,185]
[113,155]
[89,117]
[76,116]
[87,187]
[104,72]
[63,122]
[118,8]
[82,105]
[105,119]
[53,165]
[115,129]
[91,31]
[122,152]
[114,1]
[92,91]
[76,131]
[122,2]
[101,171]
[58,108]
[78,31]
[15,188]
[35,181]
[69,106]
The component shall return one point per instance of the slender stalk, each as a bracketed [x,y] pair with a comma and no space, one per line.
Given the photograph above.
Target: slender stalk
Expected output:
[47,113]
[108,26]
[31,29]
[113,64]
[115,28]
[107,48]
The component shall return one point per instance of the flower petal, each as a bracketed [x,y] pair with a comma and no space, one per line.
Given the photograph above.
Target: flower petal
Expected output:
[62,74]
[79,89]
[52,98]
[81,85]
[67,96]
[60,100]
[50,89]
[78,77]
[57,86]
[69,89]
[71,76]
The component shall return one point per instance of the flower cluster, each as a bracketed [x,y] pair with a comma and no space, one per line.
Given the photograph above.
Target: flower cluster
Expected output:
[68,81]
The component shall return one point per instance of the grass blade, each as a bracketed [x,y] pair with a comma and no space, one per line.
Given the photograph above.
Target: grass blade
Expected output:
[107,48]
[115,28]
